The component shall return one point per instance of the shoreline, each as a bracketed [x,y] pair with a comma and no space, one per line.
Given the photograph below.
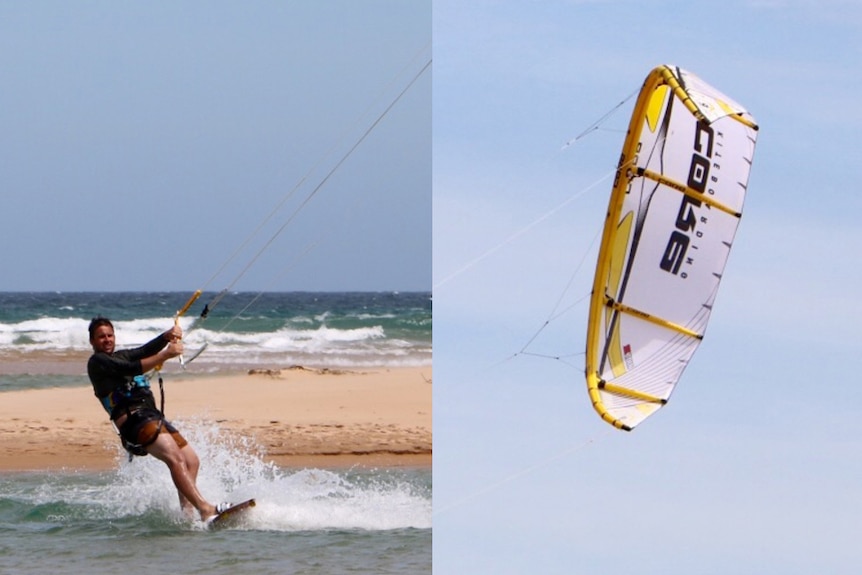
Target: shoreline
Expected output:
[298,418]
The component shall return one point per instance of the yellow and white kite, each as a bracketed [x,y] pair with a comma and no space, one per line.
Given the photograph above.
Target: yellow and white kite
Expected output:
[674,209]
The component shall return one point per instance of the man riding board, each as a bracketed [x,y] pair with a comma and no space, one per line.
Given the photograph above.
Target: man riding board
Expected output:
[123,390]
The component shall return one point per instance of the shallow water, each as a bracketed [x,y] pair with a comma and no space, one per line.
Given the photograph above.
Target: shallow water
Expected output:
[306,521]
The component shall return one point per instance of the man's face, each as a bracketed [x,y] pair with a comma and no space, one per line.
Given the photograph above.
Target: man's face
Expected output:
[103,339]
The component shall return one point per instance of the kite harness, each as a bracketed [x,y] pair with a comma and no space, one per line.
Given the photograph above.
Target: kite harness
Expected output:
[143,424]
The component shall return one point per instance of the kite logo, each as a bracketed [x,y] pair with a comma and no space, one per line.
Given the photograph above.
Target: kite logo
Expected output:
[627,357]
[686,218]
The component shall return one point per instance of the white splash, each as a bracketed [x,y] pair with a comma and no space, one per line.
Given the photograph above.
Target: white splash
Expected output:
[233,469]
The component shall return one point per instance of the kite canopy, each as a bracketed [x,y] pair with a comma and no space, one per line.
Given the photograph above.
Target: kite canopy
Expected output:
[673,212]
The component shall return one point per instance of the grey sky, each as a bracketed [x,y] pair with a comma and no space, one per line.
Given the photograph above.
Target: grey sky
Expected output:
[142,143]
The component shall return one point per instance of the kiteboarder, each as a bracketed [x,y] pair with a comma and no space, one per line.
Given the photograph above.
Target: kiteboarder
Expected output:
[122,388]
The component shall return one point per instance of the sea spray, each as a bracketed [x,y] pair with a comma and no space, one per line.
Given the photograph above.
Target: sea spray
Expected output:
[307,521]
[233,468]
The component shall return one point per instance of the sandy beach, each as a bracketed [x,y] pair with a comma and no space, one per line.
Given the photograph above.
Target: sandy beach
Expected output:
[298,417]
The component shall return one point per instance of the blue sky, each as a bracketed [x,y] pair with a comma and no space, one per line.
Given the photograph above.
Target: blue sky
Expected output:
[143,143]
[753,466]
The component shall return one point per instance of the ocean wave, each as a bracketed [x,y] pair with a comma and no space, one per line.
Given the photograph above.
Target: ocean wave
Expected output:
[316,345]
[40,331]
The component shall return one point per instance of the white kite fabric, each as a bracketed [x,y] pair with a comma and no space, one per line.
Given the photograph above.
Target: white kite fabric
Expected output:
[674,210]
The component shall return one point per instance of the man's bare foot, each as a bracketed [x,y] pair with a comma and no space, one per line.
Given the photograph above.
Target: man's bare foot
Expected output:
[208,512]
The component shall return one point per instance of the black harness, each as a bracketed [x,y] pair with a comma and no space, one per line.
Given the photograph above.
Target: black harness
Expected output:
[138,416]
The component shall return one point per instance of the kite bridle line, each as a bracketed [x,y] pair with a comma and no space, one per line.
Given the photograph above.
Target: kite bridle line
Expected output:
[595,126]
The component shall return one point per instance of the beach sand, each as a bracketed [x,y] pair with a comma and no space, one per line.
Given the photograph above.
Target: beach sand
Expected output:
[299,417]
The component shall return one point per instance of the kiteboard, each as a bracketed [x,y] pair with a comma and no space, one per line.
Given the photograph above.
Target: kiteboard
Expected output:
[231,516]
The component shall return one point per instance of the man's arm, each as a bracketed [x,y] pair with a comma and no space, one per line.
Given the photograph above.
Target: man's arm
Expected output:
[156,344]
[173,349]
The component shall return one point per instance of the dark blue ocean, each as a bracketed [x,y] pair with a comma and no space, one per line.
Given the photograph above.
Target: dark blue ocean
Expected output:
[308,521]
[44,339]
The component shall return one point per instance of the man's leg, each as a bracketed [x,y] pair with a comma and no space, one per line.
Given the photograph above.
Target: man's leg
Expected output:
[192,464]
[183,468]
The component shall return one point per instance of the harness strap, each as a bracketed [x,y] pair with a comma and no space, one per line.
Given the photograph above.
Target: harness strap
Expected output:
[161,394]
[139,449]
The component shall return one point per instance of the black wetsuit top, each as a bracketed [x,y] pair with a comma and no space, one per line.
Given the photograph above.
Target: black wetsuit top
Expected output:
[113,378]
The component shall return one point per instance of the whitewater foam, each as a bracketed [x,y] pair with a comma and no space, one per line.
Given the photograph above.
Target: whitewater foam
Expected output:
[233,469]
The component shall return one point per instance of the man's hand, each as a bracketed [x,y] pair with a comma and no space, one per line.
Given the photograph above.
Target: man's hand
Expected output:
[173,334]
[173,349]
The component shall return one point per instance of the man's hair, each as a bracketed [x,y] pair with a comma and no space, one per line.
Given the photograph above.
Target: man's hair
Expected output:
[98,322]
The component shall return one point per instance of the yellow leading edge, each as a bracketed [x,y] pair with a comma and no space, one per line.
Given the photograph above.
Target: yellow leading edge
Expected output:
[673,212]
